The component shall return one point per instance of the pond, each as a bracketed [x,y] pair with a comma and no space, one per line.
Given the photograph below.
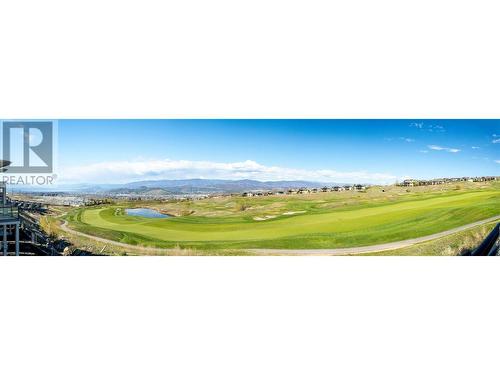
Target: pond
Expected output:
[145,212]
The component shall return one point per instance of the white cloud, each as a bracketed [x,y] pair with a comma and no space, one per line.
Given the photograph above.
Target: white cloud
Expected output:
[475,148]
[497,161]
[127,171]
[441,148]
[390,139]
[428,127]
[424,151]
[436,128]
[496,140]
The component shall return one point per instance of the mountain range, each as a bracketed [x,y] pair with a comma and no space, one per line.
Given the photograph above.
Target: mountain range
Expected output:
[187,186]
[201,186]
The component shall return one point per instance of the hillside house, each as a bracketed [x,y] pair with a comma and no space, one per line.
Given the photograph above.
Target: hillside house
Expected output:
[409,183]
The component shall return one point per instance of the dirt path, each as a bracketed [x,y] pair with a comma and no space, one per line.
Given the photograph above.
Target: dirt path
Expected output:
[342,251]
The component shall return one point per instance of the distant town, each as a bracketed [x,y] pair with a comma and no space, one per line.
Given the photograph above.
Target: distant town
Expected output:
[441,181]
[305,190]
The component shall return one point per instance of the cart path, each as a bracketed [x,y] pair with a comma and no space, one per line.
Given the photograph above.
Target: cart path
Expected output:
[64,227]
[340,251]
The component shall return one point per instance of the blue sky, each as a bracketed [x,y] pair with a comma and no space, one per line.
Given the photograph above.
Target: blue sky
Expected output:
[372,151]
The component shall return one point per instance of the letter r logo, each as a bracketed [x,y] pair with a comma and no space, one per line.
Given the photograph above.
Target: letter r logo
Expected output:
[28,146]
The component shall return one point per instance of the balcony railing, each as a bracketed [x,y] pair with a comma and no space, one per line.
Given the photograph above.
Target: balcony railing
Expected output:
[8,213]
[490,245]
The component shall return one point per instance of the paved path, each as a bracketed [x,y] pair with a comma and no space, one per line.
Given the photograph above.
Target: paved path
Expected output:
[342,251]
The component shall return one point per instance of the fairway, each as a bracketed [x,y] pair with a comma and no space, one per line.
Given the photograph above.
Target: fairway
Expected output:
[315,223]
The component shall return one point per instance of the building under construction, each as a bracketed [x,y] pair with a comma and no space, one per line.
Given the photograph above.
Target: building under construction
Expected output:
[10,221]
[20,229]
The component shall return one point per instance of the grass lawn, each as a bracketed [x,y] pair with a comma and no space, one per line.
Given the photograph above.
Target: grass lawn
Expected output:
[449,245]
[324,220]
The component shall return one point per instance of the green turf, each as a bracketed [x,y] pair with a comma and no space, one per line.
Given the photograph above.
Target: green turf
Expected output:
[454,244]
[329,221]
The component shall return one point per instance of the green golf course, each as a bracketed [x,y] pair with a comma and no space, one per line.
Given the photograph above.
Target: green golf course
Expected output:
[324,220]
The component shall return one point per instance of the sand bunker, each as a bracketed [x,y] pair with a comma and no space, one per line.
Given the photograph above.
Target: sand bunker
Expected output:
[293,212]
[267,217]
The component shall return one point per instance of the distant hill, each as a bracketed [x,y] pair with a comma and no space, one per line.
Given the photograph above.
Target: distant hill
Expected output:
[188,186]
[210,186]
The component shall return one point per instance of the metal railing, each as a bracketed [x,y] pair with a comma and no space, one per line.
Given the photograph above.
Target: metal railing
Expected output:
[490,245]
[8,213]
